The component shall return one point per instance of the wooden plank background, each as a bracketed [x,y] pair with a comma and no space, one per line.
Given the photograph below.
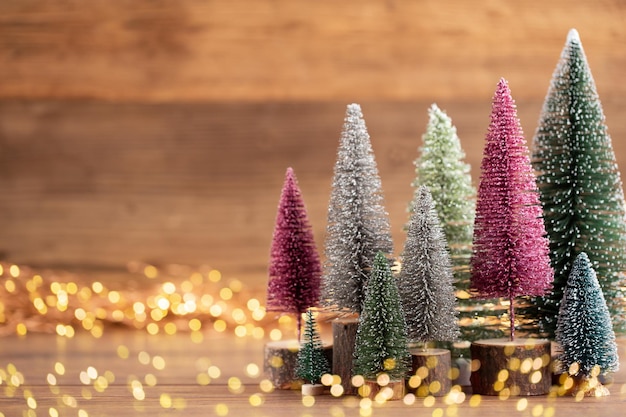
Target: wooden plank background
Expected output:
[160,131]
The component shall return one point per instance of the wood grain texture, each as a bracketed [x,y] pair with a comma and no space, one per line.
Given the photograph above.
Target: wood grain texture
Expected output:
[433,368]
[147,50]
[97,185]
[35,356]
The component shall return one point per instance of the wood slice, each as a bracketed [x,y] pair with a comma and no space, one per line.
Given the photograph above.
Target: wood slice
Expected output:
[391,391]
[344,337]
[279,363]
[430,372]
[507,368]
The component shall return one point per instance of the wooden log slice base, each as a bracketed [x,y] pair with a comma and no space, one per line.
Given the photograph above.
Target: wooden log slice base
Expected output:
[392,391]
[279,363]
[344,337]
[430,372]
[280,360]
[504,367]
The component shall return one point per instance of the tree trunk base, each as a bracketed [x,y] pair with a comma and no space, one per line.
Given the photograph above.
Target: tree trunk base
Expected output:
[430,372]
[394,390]
[279,364]
[281,359]
[510,368]
[344,337]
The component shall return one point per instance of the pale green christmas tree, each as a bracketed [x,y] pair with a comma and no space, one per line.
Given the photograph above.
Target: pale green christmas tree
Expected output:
[442,168]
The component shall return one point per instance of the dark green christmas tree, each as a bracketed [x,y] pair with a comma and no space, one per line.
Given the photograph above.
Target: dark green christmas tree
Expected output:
[381,339]
[584,325]
[311,362]
[580,187]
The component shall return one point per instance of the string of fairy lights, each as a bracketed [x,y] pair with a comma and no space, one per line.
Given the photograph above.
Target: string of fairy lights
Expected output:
[185,300]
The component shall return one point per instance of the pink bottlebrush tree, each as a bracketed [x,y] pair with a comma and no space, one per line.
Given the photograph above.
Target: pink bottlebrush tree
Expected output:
[510,251]
[294,270]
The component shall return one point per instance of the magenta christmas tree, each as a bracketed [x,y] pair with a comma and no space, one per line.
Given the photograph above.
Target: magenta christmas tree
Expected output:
[510,252]
[294,269]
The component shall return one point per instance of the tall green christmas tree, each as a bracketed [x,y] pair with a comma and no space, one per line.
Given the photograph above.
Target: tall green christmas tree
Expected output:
[381,340]
[358,225]
[311,362]
[580,187]
[442,168]
[584,325]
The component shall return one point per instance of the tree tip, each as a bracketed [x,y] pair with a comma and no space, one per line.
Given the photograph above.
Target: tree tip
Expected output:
[573,36]
[354,107]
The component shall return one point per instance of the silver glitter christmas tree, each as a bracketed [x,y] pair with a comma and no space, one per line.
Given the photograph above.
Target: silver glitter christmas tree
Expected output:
[425,282]
[358,225]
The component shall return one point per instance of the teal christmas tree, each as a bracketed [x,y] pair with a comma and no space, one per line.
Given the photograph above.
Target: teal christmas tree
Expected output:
[584,328]
[580,187]
[358,225]
[311,363]
[381,340]
[425,282]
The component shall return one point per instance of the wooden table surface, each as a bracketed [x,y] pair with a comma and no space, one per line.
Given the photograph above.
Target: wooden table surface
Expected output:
[165,370]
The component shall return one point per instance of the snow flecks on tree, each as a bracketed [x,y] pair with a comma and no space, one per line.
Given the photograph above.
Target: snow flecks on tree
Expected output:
[510,250]
[584,328]
[425,282]
[358,225]
[441,168]
[381,340]
[312,363]
[294,269]
[580,186]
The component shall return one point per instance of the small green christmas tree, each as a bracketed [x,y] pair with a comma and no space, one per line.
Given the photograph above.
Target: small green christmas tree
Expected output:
[584,325]
[580,187]
[311,363]
[381,340]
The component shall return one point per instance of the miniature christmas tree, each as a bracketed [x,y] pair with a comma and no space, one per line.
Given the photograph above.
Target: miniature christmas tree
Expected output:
[358,225]
[312,363]
[294,270]
[442,169]
[381,340]
[425,282]
[584,327]
[580,186]
[510,253]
